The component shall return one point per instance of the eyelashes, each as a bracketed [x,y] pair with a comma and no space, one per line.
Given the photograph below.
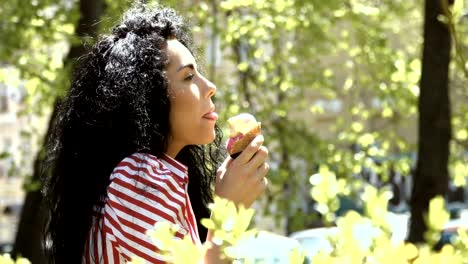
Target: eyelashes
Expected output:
[189,77]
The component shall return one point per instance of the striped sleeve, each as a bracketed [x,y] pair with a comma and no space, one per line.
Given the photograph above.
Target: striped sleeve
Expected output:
[101,247]
[139,195]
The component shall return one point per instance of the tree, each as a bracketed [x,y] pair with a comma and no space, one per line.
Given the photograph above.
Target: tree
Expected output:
[31,51]
[28,241]
[431,177]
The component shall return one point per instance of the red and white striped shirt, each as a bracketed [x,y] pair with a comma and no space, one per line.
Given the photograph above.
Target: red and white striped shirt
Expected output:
[143,190]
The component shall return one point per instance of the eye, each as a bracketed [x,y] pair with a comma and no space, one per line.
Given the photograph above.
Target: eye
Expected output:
[189,77]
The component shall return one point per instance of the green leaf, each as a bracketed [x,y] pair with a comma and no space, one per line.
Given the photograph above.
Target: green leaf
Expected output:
[5,155]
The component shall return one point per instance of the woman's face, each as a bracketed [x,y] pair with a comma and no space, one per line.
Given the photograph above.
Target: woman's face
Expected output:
[192,116]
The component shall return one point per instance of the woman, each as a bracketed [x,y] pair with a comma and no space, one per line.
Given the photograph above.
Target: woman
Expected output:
[136,142]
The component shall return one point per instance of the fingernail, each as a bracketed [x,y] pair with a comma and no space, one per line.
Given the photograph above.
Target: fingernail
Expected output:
[260,140]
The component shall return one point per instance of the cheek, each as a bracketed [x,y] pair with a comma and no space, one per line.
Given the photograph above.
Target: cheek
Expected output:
[187,100]
[184,110]
[183,102]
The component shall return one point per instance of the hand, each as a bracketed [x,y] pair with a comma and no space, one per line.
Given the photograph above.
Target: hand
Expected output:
[242,180]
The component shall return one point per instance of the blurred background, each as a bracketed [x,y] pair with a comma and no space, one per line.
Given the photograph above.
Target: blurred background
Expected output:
[350,93]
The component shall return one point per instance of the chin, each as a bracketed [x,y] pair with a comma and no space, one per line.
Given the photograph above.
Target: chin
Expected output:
[209,138]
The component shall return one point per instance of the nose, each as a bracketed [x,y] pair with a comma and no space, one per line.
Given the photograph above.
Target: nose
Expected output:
[210,87]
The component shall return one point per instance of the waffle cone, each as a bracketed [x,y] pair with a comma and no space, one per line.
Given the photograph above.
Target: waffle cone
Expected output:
[241,144]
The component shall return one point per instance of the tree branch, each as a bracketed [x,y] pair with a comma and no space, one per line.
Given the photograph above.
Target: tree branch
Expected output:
[460,58]
[463,144]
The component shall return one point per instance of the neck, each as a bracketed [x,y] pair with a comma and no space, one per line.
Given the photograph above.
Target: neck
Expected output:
[173,149]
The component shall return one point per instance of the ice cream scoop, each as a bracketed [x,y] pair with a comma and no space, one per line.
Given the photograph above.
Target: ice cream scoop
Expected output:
[243,129]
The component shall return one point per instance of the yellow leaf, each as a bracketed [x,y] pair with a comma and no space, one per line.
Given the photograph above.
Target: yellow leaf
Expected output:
[366,139]
[348,84]
[387,112]
[438,215]
[296,256]
[411,251]
[37,22]
[243,66]
[462,134]
[357,127]
[208,223]
[459,180]
[328,73]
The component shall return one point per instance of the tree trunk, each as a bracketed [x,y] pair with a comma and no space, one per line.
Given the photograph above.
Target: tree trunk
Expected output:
[33,215]
[28,242]
[431,175]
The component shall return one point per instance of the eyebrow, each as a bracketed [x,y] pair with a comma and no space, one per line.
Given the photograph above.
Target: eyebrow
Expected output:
[190,65]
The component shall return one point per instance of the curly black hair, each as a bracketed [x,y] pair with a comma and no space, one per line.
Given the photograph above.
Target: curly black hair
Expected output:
[117,105]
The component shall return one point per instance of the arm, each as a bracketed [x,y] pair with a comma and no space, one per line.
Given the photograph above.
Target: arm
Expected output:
[135,203]
[242,181]
[213,253]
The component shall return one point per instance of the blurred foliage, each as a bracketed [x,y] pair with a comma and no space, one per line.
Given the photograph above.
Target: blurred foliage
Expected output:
[6,259]
[436,217]
[35,39]
[232,223]
[334,83]
[351,68]
[325,192]
[231,228]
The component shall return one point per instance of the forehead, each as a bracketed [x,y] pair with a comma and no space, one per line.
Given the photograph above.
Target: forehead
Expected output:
[178,54]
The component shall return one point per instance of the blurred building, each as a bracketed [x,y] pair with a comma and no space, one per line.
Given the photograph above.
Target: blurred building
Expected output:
[18,148]
[10,186]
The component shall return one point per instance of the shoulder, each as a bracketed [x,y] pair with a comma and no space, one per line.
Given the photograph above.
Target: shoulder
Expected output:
[142,189]
[142,172]
[139,164]
[141,159]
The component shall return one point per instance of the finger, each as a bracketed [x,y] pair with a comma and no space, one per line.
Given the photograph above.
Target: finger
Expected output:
[265,182]
[223,167]
[262,171]
[226,163]
[259,158]
[251,149]
[262,186]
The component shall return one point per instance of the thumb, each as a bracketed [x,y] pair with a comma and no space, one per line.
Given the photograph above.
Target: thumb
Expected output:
[223,167]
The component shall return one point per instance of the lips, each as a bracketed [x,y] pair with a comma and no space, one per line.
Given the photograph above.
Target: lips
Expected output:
[211,115]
